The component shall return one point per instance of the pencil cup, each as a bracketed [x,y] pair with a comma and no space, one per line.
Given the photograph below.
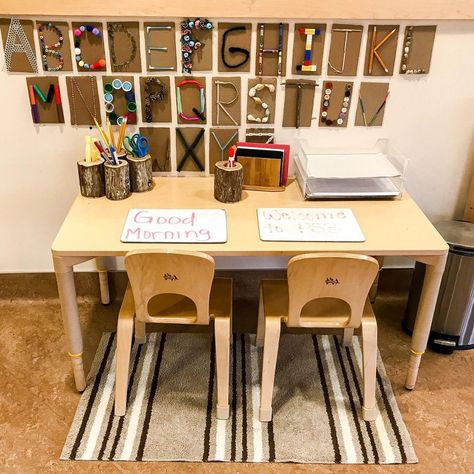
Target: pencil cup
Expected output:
[91,178]
[141,176]
[228,182]
[117,180]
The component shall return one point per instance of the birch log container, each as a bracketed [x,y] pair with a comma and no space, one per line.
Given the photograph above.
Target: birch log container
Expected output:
[91,178]
[228,182]
[141,173]
[117,180]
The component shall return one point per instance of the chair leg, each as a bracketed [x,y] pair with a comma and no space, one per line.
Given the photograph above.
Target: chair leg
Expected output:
[369,354]
[347,337]
[222,337]
[270,353]
[140,332]
[124,344]
[261,321]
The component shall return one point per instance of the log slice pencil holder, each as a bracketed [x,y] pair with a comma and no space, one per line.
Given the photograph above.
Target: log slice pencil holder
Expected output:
[117,180]
[228,182]
[91,178]
[141,173]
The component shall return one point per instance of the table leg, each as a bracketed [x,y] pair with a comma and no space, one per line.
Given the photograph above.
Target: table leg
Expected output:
[103,280]
[64,269]
[424,316]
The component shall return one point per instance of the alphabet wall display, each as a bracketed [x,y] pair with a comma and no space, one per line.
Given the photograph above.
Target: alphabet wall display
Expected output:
[309,225]
[175,226]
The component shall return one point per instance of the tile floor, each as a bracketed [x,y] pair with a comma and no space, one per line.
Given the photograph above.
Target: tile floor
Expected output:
[38,400]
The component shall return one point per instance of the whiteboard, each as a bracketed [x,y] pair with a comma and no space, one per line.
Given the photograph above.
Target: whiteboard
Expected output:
[175,226]
[308,225]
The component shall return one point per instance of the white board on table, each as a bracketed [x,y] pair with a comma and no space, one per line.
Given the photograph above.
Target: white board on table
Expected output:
[175,226]
[308,224]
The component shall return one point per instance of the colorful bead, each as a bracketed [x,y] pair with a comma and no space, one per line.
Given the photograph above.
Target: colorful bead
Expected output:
[77,50]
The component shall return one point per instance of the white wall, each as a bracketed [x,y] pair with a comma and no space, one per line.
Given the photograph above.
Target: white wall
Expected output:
[429,118]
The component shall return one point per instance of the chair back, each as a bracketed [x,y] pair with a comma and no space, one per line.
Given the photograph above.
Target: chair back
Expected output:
[343,276]
[165,272]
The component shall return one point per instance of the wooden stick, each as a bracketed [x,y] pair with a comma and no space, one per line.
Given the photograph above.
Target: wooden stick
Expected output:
[372,50]
[387,37]
[379,59]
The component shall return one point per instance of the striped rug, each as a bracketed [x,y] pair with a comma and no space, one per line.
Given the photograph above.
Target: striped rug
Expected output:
[172,396]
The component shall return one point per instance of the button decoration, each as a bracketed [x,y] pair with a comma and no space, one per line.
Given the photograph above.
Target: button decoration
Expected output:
[339,121]
[190,43]
[50,49]
[79,33]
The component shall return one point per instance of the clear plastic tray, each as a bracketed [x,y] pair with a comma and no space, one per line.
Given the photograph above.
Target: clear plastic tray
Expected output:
[346,173]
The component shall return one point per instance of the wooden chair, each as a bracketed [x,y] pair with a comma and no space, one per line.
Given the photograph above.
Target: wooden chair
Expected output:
[171,287]
[327,290]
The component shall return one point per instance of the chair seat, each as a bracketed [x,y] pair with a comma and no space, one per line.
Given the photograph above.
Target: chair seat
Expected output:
[322,313]
[178,307]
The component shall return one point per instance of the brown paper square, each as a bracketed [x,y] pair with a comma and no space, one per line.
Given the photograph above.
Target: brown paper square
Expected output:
[201,58]
[419,52]
[260,135]
[191,98]
[317,48]
[223,135]
[270,60]
[164,38]
[235,39]
[122,47]
[89,91]
[92,47]
[306,103]
[266,96]
[373,95]
[386,51]
[160,109]
[189,134]
[19,61]
[335,102]
[120,103]
[48,112]
[50,37]
[227,93]
[336,52]
[159,147]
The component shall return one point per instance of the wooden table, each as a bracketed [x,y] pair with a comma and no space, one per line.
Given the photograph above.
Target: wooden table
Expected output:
[93,227]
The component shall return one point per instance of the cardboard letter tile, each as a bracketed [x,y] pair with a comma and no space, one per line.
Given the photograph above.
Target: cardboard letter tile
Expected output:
[83,97]
[124,46]
[373,95]
[47,106]
[417,49]
[381,50]
[160,46]
[336,110]
[92,47]
[267,63]
[238,37]
[51,37]
[159,147]
[317,48]
[340,64]
[191,99]
[298,110]
[267,97]
[227,90]
[160,109]
[220,140]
